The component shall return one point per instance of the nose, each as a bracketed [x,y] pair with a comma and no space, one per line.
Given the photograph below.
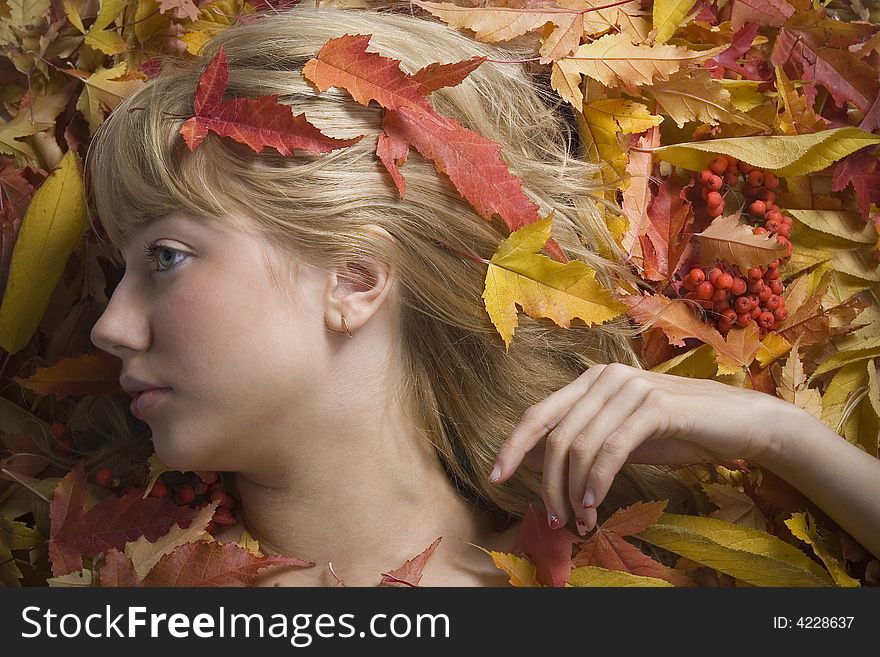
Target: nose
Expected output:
[123,327]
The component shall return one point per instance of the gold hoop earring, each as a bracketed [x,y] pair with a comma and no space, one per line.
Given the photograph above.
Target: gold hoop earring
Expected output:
[345,326]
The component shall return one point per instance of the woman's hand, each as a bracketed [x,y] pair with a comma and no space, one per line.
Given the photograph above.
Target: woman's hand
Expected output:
[582,434]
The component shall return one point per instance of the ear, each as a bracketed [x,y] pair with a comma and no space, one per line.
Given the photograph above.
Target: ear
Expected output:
[359,290]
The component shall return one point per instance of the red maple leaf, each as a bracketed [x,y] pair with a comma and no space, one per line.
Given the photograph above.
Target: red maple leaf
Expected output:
[410,573]
[607,548]
[112,522]
[256,122]
[472,162]
[859,170]
[549,549]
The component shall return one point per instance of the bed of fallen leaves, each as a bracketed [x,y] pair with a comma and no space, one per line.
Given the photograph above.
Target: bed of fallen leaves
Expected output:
[664,94]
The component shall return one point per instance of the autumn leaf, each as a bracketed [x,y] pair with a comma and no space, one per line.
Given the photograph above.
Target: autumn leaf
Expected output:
[202,564]
[756,557]
[695,96]
[792,388]
[255,122]
[596,576]
[803,526]
[49,232]
[668,15]
[542,287]
[112,522]
[732,241]
[472,162]
[784,155]
[615,60]
[95,374]
[670,215]
[549,549]
[734,506]
[607,548]
[521,571]
[410,573]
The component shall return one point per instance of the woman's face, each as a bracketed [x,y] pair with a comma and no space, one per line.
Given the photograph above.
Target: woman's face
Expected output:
[240,357]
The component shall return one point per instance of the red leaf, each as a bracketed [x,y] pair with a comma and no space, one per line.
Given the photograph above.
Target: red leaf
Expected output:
[118,570]
[670,213]
[410,573]
[472,162]
[256,122]
[436,76]
[860,171]
[112,522]
[549,549]
[213,564]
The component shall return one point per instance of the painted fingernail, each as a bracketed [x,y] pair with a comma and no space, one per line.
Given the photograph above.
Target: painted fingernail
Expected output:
[588,499]
[496,472]
[582,526]
[553,521]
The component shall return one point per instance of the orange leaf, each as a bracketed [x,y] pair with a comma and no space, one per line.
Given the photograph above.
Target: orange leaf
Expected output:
[410,573]
[93,374]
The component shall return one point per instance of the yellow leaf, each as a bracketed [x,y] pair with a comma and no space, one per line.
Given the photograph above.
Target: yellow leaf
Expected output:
[522,572]
[697,363]
[18,536]
[52,226]
[156,469]
[848,382]
[249,543]
[750,555]
[772,347]
[784,155]
[793,387]
[868,349]
[744,94]
[840,223]
[103,91]
[803,527]
[73,15]
[84,577]
[595,576]
[27,13]
[542,286]
[696,96]
[38,117]
[794,114]
[668,15]
[195,40]
[606,118]
[615,61]
[98,37]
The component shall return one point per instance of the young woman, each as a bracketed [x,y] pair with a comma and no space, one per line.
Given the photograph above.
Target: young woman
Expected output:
[316,337]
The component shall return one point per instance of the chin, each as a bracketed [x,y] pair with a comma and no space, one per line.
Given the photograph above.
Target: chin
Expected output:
[179,457]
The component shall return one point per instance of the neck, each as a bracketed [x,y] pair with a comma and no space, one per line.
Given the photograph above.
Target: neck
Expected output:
[373,494]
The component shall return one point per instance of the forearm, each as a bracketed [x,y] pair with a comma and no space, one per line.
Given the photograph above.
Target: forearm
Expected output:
[838,477]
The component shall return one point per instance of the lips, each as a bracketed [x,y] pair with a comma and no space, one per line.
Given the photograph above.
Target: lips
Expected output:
[145,401]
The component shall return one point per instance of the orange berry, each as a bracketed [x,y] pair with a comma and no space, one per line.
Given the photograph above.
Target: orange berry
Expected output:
[159,489]
[714,183]
[739,287]
[725,281]
[771,180]
[756,178]
[743,319]
[705,174]
[714,198]
[185,494]
[759,230]
[719,165]
[715,211]
[103,476]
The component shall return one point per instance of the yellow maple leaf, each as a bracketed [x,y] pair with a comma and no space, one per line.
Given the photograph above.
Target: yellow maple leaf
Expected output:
[542,286]
[595,576]
[98,37]
[793,386]
[103,91]
[803,526]
[521,570]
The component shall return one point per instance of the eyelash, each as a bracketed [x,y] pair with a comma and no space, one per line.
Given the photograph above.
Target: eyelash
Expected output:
[150,250]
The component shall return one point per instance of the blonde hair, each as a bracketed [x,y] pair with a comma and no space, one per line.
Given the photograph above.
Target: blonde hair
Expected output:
[467,389]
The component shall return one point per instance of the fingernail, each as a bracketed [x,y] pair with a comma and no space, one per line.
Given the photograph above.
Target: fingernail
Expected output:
[581,526]
[588,499]
[553,521]
[496,472]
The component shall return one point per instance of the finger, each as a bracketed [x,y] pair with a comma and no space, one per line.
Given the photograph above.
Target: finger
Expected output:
[638,428]
[554,479]
[538,421]
[588,441]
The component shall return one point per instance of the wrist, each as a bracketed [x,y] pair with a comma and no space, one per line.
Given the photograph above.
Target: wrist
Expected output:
[788,436]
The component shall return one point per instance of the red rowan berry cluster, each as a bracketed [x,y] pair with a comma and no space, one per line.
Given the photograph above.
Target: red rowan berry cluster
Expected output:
[730,298]
[185,489]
